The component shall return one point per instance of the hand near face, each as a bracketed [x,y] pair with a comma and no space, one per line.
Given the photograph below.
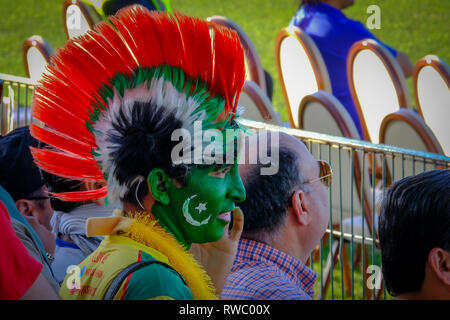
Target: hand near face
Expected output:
[46,236]
[217,257]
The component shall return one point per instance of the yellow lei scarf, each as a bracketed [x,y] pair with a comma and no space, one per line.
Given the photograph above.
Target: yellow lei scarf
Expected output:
[145,230]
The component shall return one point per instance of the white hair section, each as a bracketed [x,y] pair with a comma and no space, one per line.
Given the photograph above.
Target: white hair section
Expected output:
[116,190]
[103,128]
[164,95]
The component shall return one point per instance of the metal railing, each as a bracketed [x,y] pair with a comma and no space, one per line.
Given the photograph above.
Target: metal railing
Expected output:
[348,259]
[16,94]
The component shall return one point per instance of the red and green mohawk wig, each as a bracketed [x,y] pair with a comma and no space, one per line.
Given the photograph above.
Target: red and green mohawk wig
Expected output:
[180,68]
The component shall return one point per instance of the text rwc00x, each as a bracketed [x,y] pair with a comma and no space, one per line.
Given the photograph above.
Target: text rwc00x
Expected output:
[225,309]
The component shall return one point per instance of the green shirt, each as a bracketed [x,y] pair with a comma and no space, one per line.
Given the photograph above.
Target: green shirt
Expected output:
[154,281]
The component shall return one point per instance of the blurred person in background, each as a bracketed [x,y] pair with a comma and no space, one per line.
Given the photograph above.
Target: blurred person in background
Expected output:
[26,198]
[110,7]
[20,274]
[69,222]
[334,34]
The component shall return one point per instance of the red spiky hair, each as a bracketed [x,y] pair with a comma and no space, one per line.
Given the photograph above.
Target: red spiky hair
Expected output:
[72,93]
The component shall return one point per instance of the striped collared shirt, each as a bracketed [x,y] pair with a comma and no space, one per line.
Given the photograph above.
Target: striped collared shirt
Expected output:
[261,272]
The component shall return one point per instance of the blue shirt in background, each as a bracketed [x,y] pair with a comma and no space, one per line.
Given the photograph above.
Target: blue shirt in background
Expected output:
[334,34]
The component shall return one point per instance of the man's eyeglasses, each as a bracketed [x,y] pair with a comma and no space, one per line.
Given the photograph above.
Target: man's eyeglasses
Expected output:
[325,174]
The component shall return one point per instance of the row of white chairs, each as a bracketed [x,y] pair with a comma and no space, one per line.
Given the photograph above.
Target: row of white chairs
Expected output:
[382,100]
[79,17]
[376,82]
[375,79]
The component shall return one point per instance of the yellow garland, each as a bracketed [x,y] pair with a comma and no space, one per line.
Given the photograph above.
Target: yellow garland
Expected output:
[145,230]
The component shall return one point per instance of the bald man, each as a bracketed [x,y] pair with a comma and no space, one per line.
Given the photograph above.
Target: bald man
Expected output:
[286,215]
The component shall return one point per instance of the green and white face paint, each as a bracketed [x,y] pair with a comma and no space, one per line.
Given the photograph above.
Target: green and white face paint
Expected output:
[199,211]
[188,216]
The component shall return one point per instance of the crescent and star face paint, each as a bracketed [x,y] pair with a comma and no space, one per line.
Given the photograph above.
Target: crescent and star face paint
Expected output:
[199,211]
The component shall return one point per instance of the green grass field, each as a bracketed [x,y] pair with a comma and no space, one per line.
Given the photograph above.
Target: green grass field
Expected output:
[415,27]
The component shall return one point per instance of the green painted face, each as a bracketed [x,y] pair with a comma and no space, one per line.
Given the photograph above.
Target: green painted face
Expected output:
[199,211]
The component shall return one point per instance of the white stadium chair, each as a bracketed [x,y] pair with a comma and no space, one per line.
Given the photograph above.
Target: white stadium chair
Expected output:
[257,105]
[377,85]
[406,129]
[432,91]
[321,112]
[36,53]
[79,17]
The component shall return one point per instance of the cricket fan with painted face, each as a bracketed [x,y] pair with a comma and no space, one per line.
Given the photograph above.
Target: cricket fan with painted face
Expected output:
[111,101]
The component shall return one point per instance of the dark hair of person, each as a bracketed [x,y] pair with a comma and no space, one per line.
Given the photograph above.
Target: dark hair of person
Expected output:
[110,7]
[145,143]
[302,2]
[57,185]
[414,218]
[269,196]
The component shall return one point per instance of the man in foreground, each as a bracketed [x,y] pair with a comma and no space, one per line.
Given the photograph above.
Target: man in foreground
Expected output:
[113,101]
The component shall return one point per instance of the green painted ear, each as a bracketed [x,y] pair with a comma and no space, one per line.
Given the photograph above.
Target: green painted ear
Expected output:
[158,182]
